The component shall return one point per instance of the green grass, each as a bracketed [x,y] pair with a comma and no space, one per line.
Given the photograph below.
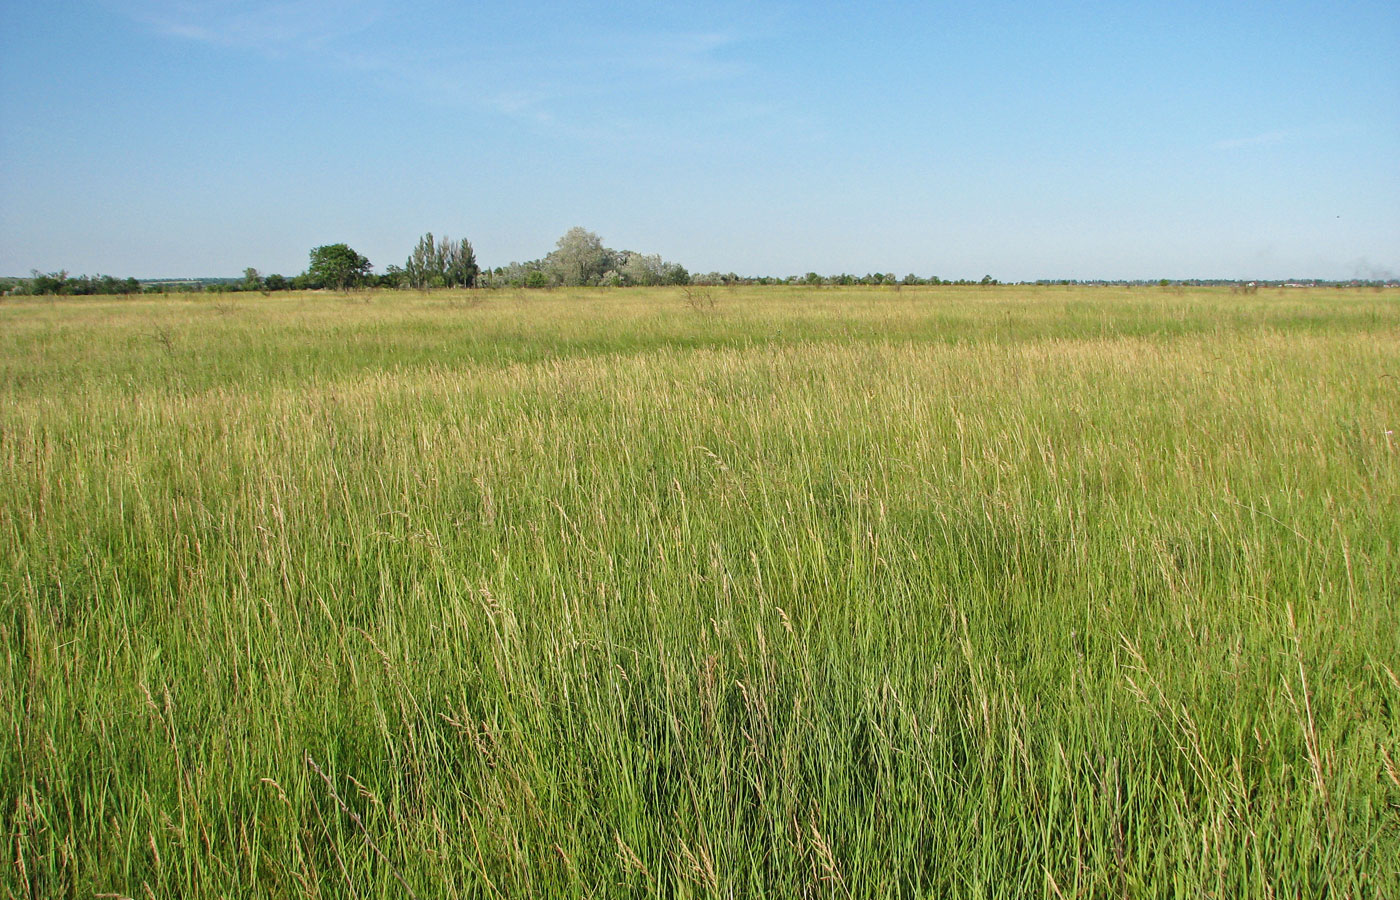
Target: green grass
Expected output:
[855,593]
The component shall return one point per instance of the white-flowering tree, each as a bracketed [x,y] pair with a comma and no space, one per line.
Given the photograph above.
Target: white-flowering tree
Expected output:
[579,258]
[650,269]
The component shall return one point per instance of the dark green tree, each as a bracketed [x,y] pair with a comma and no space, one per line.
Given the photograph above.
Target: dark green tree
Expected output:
[461,270]
[337,266]
[47,282]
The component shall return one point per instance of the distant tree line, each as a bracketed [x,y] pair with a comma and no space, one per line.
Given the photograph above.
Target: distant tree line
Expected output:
[579,258]
[63,284]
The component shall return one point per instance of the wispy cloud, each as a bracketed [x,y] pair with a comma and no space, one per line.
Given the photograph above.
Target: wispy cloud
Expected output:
[1266,139]
[690,56]
[565,83]
[603,92]
[527,106]
[269,26]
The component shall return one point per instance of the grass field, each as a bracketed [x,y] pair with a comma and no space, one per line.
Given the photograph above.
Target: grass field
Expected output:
[1012,592]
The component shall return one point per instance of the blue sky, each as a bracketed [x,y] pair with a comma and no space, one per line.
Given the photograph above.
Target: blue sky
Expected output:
[1021,140]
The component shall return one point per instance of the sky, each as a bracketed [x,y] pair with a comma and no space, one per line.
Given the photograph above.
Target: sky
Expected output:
[1022,140]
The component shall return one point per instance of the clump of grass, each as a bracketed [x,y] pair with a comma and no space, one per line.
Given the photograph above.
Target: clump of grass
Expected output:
[844,593]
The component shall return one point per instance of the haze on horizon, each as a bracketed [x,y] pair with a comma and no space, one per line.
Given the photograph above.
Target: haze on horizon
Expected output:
[1036,140]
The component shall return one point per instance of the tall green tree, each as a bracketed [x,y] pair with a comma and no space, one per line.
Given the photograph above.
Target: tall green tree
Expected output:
[441,263]
[337,266]
[424,268]
[461,270]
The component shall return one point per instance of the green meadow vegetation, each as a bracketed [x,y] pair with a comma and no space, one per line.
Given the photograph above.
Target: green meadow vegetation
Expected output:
[1043,592]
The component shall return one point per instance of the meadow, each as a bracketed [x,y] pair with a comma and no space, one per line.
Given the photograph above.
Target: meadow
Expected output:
[1053,592]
